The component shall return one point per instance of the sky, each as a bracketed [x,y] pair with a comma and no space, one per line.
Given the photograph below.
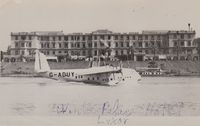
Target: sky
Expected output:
[90,15]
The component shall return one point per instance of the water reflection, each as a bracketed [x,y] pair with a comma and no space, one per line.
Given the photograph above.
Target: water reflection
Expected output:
[23,108]
[157,96]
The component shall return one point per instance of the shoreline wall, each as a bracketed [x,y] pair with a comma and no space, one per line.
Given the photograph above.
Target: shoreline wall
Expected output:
[181,67]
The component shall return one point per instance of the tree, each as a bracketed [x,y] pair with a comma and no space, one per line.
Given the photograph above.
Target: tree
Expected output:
[131,52]
[197,43]
[154,48]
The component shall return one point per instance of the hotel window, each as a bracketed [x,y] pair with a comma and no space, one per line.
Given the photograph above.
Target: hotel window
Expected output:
[78,45]
[109,37]
[66,38]
[89,37]
[101,44]
[133,37]
[146,37]
[23,37]
[16,52]
[30,44]
[140,37]
[95,37]
[95,44]
[59,38]
[122,44]
[158,44]
[109,44]
[72,45]
[83,44]
[66,52]
[152,43]
[84,52]
[42,46]
[175,43]
[127,44]
[59,52]
[90,45]
[53,52]
[47,52]
[152,37]
[29,37]
[189,36]
[182,36]
[22,52]
[102,37]
[116,52]
[140,51]
[182,43]
[66,45]
[16,37]
[175,36]
[159,37]
[47,45]
[53,44]
[30,52]
[22,44]
[116,37]
[189,43]
[140,44]
[83,38]
[54,38]
[122,52]
[146,44]
[16,44]
[78,38]
[133,44]
[121,37]
[116,44]
[60,46]
[42,38]
[127,37]
[189,51]
[95,52]
[72,52]
[72,37]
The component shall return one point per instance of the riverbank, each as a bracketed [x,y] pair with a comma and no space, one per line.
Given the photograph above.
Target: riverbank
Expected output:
[175,68]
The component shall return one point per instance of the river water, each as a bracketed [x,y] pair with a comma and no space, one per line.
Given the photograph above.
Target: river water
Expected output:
[152,96]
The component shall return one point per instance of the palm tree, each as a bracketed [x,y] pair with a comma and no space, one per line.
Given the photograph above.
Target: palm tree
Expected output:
[178,46]
[154,48]
[197,43]
[131,51]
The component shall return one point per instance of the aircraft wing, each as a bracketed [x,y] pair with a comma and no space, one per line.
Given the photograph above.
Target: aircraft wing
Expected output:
[99,70]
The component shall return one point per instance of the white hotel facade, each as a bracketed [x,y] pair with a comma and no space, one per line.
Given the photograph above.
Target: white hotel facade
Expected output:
[171,45]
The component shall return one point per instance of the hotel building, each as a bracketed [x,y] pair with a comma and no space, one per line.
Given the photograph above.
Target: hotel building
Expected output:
[167,45]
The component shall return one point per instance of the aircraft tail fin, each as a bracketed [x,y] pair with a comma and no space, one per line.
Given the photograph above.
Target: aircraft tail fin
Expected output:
[41,64]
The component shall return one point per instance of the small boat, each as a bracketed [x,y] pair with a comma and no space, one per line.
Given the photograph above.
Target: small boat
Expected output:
[152,70]
[147,71]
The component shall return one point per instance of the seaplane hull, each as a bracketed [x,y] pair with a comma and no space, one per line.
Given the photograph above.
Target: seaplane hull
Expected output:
[103,75]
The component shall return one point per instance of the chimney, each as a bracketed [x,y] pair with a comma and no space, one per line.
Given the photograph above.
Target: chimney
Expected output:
[189,27]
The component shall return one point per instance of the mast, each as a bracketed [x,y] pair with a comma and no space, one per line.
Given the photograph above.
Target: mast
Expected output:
[1,65]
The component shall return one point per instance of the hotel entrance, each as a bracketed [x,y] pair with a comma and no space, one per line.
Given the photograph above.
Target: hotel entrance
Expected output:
[139,57]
